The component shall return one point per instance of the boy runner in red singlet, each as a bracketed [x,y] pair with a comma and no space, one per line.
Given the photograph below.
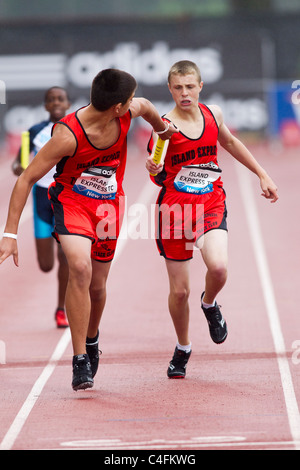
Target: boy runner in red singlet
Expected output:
[89,150]
[191,204]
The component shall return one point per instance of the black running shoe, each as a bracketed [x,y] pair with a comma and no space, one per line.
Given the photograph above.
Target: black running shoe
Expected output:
[217,324]
[93,353]
[82,373]
[177,367]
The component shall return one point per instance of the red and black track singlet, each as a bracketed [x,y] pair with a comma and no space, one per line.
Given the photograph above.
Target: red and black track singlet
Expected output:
[92,172]
[191,165]
[191,190]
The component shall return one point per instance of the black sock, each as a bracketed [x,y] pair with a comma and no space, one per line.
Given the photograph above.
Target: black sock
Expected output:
[92,340]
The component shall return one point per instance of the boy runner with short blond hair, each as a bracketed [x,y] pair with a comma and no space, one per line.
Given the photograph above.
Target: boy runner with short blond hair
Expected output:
[190,178]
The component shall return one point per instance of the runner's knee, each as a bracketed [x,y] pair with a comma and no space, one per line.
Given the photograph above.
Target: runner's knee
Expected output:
[45,264]
[180,295]
[97,293]
[218,271]
[80,271]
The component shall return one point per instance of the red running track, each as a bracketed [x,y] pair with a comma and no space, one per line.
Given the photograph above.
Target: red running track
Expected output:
[243,394]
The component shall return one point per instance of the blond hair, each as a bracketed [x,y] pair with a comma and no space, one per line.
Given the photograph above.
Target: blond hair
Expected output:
[184,67]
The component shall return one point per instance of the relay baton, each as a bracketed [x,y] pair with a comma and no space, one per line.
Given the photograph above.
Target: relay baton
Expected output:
[25,150]
[159,151]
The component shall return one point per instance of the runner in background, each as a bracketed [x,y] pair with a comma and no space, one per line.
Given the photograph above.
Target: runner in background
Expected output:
[192,205]
[56,103]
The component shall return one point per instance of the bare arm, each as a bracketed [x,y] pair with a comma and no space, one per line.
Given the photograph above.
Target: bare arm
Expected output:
[240,152]
[145,109]
[61,144]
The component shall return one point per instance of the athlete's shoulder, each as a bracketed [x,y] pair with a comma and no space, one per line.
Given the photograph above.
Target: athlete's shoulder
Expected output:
[68,124]
[65,139]
[216,112]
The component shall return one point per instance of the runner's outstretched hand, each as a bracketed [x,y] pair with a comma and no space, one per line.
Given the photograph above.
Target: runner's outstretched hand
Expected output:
[269,188]
[9,247]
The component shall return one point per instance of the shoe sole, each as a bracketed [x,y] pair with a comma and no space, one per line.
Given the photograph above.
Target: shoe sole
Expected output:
[222,341]
[176,377]
[83,386]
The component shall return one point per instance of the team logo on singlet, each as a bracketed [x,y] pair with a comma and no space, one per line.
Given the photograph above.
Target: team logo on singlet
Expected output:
[97,183]
[197,179]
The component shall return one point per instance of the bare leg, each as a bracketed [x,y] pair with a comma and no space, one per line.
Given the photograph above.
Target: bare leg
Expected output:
[215,255]
[45,253]
[178,298]
[78,304]
[98,295]
[63,276]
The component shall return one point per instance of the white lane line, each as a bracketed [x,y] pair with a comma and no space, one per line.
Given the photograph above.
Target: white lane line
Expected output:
[244,178]
[196,443]
[18,423]
[117,444]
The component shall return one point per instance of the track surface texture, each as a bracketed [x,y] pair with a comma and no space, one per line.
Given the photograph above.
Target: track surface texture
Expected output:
[242,395]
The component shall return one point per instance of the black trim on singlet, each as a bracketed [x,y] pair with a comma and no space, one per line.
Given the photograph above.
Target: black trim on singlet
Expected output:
[60,165]
[213,116]
[58,210]
[87,138]
[71,130]
[158,236]
[204,125]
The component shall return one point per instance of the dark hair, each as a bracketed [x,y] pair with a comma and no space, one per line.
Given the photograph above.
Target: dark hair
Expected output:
[55,88]
[110,87]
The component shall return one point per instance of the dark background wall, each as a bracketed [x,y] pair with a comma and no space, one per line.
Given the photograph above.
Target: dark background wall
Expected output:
[247,61]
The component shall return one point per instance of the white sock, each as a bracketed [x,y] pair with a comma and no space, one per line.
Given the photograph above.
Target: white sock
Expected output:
[209,305]
[186,348]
